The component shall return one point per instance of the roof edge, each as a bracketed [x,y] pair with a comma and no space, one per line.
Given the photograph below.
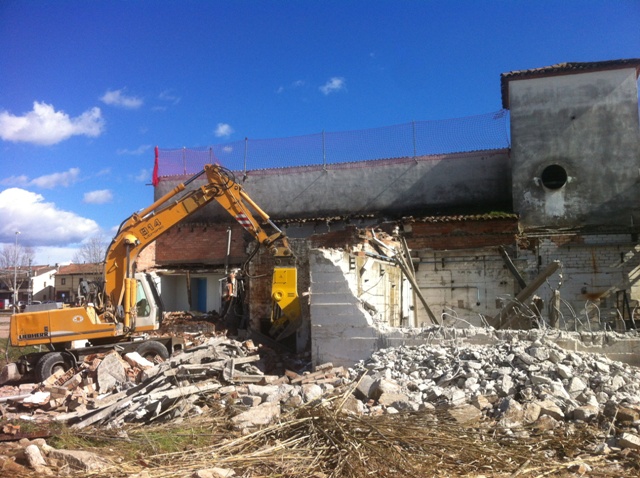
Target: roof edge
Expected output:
[566,68]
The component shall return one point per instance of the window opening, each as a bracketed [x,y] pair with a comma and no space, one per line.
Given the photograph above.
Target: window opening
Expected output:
[554,177]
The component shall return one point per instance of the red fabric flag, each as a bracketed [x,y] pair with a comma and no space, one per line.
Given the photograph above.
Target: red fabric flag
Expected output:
[155,180]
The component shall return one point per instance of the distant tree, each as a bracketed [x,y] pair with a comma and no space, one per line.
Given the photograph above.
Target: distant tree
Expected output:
[14,265]
[92,251]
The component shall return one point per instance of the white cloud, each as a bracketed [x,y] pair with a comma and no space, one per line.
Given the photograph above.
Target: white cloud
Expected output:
[167,95]
[21,180]
[101,196]
[51,255]
[46,126]
[140,150]
[40,223]
[143,175]
[223,130]
[334,85]
[294,85]
[50,181]
[118,98]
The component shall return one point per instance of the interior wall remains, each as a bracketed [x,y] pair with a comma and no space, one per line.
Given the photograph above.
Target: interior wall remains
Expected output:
[354,301]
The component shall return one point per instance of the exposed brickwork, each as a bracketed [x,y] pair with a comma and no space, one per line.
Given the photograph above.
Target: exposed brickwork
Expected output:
[202,244]
[336,239]
[462,235]
[147,258]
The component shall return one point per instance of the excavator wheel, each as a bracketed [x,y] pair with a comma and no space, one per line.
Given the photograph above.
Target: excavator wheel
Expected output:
[152,349]
[50,363]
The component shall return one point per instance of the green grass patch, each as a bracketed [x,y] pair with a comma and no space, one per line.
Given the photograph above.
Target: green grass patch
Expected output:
[13,352]
[133,443]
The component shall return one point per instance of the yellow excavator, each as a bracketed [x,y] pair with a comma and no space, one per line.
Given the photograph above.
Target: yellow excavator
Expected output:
[127,305]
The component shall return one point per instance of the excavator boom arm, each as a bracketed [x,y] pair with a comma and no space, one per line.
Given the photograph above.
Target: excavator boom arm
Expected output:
[142,228]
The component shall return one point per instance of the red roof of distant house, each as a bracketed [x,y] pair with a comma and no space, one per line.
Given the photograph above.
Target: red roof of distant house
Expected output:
[89,268]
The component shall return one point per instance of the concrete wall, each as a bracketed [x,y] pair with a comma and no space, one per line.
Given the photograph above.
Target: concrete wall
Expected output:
[354,301]
[343,332]
[587,124]
[395,187]
[597,280]
[464,285]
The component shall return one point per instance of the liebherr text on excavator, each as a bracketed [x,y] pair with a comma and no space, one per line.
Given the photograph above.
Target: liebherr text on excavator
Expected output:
[120,311]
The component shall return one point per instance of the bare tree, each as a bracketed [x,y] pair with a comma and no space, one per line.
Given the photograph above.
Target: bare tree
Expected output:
[92,251]
[14,265]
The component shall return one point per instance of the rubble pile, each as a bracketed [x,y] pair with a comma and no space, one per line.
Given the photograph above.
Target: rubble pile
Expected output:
[107,389]
[190,325]
[499,397]
[516,383]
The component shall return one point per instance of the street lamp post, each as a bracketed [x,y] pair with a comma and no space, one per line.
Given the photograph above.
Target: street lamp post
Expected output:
[15,274]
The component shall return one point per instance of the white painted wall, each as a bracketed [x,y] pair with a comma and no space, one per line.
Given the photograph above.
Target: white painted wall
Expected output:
[353,304]
[173,290]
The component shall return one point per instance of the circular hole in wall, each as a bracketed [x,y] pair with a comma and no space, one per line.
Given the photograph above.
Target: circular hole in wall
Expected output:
[554,176]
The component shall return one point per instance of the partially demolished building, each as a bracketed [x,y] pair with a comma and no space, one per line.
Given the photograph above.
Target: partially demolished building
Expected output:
[541,231]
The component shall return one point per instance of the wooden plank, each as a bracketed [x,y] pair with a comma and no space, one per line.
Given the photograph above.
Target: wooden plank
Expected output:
[505,317]
[511,266]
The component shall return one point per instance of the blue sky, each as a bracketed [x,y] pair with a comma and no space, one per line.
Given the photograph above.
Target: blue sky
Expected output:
[88,88]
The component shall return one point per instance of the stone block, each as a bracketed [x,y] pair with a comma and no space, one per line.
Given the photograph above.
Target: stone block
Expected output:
[564,371]
[585,413]
[381,386]
[628,414]
[110,372]
[399,401]
[80,460]
[34,456]
[465,413]
[364,389]
[263,414]
[550,408]
[311,392]
[629,440]
[530,412]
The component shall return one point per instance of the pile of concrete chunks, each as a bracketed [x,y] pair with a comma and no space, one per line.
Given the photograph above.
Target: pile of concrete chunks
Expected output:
[521,385]
[112,390]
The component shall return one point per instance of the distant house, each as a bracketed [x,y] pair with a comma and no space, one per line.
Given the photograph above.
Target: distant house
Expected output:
[42,282]
[35,281]
[68,278]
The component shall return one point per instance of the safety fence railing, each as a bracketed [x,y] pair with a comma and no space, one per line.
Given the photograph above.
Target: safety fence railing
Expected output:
[416,139]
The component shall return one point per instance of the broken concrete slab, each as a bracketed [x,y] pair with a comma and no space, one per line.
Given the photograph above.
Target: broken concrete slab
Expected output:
[110,372]
[263,414]
[85,461]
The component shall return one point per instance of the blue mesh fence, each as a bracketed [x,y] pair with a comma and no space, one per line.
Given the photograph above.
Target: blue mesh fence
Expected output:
[410,140]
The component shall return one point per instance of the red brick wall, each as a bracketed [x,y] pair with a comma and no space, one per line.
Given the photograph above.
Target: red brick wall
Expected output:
[339,239]
[202,244]
[462,234]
